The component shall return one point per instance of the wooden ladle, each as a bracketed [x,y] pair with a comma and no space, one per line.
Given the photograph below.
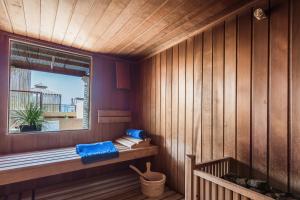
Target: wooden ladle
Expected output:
[139,172]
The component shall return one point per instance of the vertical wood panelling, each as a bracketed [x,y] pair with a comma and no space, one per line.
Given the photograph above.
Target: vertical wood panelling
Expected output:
[168,111]
[189,95]
[207,97]
[189,101]
[181,115]
[143,95]
[152,100]
[174,166]
[163,73]
[260,96]
[230,91]
[148,95]
[157,104]
[279,93]
[198,97]
[218,91]
[295,96]
[244,90]
[230,88]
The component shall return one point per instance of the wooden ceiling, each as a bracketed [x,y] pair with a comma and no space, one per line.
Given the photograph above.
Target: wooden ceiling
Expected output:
[129,28]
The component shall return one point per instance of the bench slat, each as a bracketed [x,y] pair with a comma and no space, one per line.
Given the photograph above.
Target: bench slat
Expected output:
[52,162]
[43,154]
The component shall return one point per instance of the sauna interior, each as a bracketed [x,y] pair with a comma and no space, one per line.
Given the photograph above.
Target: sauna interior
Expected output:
[205,93]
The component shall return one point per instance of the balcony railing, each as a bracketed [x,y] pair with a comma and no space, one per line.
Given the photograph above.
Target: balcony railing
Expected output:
[58,108]
[19,99]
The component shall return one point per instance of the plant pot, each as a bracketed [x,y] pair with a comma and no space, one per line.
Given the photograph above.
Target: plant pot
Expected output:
[27,128]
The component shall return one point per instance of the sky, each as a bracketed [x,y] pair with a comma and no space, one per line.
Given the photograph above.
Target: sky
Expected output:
[66,85]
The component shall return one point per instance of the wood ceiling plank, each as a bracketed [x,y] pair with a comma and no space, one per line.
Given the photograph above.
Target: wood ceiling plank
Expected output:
[82,9]
[48,16]
[131,28]
[209,22]
[174,17]
[156,16]
[143,14]
[94,16]
[129,12]
[16,15]
[111,14]
[63,17]
[182,27]
[32,11]
[4,18]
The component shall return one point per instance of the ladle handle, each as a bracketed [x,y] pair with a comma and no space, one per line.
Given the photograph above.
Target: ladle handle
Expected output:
[137,170]
[148,166]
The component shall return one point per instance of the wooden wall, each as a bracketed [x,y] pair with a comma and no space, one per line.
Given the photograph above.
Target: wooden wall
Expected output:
[233,90]
[104,95]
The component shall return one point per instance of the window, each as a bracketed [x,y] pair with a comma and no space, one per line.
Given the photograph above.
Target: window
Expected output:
[49,89]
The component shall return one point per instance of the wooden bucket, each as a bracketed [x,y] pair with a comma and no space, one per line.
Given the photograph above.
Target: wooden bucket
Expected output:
[155,187]
[154,183]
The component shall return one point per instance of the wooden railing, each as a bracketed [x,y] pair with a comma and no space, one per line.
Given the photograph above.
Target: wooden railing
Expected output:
[204,182]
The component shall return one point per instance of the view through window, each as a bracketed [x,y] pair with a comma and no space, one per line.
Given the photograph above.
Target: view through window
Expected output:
[49,89]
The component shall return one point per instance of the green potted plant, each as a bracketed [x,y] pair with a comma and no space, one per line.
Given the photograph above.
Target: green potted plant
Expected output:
[30,119]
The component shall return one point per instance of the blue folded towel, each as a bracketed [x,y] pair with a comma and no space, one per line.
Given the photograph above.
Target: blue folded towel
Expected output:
[90,153]
[139,134]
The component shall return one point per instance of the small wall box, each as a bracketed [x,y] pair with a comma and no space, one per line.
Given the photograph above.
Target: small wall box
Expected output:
[123,75]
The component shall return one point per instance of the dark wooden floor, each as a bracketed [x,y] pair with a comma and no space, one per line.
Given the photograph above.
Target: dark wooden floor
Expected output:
[118,186]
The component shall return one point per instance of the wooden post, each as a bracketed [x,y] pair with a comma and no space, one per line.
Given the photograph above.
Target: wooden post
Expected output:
[190,163]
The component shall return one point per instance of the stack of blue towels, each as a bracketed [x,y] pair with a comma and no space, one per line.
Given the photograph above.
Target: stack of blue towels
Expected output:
[90,153]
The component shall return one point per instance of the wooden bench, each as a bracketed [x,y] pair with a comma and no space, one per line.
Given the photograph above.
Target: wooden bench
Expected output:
[32,165]
[120,185]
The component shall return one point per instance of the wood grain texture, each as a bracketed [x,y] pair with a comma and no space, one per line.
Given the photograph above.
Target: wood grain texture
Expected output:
[198,70]
[175,87]
[279,94]
[181,114]
[218,188]
[260,96]
[132,28]
[168,144]
[123,185]
[189,96]
[256,94]
[163,79]
[29,166]
[295,95]
[244,90]
[218,91]
[230,87]
[123,80]
[157,103]
[207,150]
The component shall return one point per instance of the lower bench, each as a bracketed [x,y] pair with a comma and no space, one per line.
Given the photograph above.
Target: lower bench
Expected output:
[120,185]
[15,168]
